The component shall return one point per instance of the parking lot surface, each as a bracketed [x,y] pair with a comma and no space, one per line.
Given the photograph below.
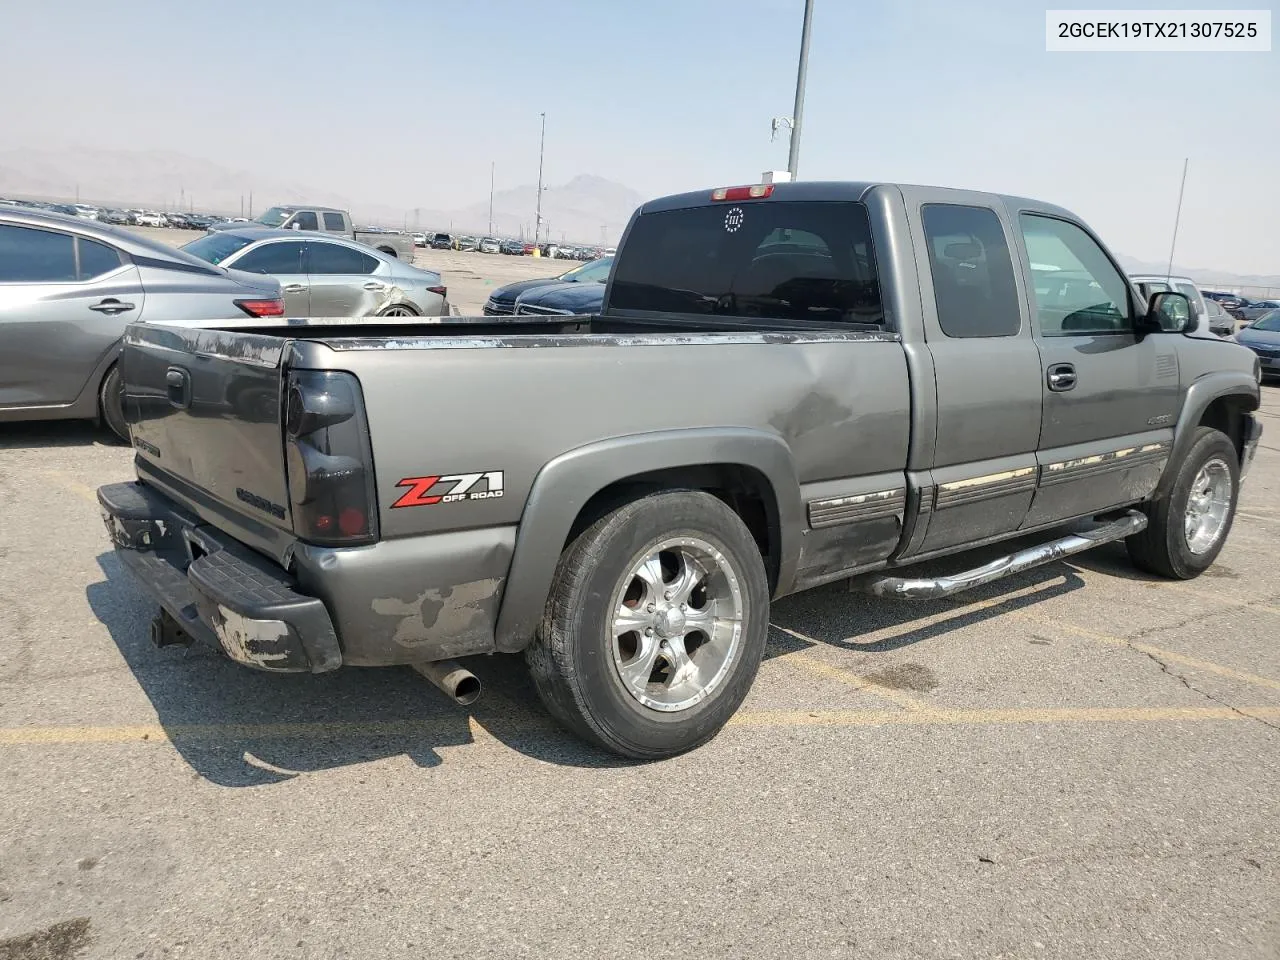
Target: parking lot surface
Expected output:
[1078,762]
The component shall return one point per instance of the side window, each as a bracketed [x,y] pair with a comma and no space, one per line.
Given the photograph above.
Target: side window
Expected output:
[96,258]
[973,283]
[306,220]
[36,256]
[333,222]
[283,257]
[333,258]
[1078,291]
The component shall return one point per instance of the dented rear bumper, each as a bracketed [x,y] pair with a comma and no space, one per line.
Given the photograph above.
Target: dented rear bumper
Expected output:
[217,590]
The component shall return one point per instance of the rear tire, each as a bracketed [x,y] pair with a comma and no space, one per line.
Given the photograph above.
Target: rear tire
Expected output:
[655,626]
[111,403]
[1188,526]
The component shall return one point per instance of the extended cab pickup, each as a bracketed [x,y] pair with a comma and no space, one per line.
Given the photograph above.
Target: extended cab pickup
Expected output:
[325,220]
[787,385]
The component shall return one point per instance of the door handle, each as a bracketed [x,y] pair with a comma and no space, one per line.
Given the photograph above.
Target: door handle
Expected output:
[111,307]
[1062,376]
[294,288]
[374,285]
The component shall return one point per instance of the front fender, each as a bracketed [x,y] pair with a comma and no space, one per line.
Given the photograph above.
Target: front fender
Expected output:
[1203,392]
[564,486]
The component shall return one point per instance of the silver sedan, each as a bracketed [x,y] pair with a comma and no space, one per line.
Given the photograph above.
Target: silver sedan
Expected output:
[68,288]
[327,276]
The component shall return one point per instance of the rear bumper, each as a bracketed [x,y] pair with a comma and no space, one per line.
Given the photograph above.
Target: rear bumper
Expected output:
[1251,436]
[217,590]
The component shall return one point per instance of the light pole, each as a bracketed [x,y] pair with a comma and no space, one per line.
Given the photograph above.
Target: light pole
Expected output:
[491,164]
[793,157]
[537,220]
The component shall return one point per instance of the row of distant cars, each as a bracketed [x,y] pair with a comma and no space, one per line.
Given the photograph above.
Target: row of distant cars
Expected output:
[510,247]
[125,218]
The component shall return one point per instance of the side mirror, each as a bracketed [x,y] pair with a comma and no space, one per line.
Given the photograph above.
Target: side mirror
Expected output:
[1170,312]
[295,225]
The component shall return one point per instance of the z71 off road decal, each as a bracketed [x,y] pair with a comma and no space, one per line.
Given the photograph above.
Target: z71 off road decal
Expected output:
[425,491]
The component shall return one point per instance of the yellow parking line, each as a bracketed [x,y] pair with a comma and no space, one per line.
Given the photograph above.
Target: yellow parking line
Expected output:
[238,732]
[820,668]
[940,717]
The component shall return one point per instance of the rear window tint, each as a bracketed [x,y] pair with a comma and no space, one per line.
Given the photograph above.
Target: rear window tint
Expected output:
[28,255]
[96,259]
[764,259]
[972,271]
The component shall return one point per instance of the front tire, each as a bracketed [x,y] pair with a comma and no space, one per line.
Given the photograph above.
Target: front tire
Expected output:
[655,626]
[1188,526]
[111,402]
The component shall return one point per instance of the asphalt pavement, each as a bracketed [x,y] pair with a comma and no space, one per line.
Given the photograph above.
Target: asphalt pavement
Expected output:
[1080,762]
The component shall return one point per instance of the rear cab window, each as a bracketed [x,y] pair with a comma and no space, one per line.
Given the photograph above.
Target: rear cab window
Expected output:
[333,223]
[797,260]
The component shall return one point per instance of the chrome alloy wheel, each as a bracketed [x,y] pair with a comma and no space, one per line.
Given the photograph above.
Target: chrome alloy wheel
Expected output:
[1208,506]
[677,623]
[398,312]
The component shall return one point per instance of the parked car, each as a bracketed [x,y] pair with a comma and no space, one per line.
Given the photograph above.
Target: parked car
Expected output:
[419,239]
[562,299]
[846,380]
[502,302]
[468,244]
[1219,321]
[441,241]
[326,220]
[511,248]
[1263,338]
[327,276]
[69,286]
[178,220]
[1152,283]
[1231,302]
[117,217]
[490,245]
[145,218]
[86,210]
[1257,308]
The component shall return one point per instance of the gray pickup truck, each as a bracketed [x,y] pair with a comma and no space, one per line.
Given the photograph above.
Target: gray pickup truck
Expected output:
[324,220]
[787,385]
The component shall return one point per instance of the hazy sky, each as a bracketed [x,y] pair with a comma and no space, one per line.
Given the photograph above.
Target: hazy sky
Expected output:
[407,101]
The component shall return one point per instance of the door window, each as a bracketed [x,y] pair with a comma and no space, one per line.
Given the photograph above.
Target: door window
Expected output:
[334,258]
[972,271]
[333,222]
[285,257]
[96,258]
[1078,290]
[36,256]
[305,220]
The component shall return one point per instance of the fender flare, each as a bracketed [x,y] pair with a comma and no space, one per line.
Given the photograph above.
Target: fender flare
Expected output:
[1203,392]
[562,488]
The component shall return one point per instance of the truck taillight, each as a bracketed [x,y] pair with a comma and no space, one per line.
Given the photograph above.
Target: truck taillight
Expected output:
[330,464]
[754,192]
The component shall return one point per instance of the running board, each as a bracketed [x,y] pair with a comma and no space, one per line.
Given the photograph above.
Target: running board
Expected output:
[906,588]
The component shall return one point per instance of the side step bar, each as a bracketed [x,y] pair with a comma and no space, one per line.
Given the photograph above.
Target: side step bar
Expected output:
[906,588]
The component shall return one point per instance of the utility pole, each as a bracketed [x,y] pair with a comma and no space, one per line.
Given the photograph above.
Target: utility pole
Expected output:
[242,204]
[793,157]
[537,221]
[77,193]
[250,204]
[1177,216]
[491,166]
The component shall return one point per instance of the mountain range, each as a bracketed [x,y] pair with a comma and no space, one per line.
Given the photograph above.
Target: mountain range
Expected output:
[586,209]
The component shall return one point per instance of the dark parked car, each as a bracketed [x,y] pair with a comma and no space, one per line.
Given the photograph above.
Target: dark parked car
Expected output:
[1256,309]
[117,217]
[512,248]
[502,302]
[562,299]
[441,241]
[1263,338]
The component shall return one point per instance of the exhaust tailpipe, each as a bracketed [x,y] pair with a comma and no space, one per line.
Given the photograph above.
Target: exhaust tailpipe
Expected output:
[458,683]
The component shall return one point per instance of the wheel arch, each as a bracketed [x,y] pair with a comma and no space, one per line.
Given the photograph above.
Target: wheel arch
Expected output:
[1217,400]
[749,469]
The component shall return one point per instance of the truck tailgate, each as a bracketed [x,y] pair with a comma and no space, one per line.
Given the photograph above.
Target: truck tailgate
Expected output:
[204,414]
